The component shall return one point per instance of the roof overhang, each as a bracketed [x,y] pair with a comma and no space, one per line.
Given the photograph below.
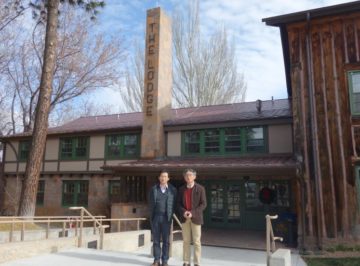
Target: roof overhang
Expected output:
[265,165]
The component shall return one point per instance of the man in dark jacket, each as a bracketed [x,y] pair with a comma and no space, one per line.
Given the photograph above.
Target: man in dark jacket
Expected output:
[162,199]
[191,204]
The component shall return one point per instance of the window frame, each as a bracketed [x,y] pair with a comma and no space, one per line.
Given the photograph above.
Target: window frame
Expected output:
[111,183]
[222,142]
[121,145]
[40,192]
[76,194]
[351,93]
[22,144]
[74,145]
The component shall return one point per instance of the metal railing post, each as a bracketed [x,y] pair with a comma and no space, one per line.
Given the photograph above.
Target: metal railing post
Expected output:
[22,231]
[101,237]
[47,228]
[63,229]
[267,240]
[81,227]
[171,238]
[11,238]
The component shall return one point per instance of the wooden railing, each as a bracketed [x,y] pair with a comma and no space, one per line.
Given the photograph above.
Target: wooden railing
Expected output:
[270,238]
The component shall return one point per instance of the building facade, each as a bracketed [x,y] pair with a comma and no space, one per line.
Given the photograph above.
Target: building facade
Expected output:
[295,157]
[321,54]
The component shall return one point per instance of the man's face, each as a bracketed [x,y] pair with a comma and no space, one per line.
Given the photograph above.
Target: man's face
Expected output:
[189,177]
[164,178]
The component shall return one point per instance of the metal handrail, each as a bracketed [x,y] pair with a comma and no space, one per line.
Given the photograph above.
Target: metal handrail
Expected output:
[172,232]
[101,226]
[44,217]
[68,222]
[270,237]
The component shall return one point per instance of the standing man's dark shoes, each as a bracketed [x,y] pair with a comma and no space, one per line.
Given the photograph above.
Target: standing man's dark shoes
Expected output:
[165,264]
[156,263]
[186,264]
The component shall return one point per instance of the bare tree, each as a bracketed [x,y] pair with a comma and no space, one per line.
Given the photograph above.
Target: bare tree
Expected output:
[204,69]
[72,110]
[84,62]
[132,93]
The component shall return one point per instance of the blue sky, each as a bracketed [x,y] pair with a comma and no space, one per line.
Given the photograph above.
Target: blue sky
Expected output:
[258,47]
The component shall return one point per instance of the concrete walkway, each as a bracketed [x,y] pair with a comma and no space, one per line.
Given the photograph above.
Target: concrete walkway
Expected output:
[89,257]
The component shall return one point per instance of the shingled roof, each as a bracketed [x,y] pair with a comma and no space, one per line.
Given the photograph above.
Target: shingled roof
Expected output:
[236,112]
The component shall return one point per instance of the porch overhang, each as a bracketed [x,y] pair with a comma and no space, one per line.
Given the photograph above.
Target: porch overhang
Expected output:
[266,165]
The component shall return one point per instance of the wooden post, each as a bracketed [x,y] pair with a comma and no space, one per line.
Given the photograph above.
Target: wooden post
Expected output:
[94,225]
[118,226]
[138,225]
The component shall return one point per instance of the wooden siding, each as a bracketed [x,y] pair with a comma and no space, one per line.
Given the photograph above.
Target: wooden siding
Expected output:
[321,53]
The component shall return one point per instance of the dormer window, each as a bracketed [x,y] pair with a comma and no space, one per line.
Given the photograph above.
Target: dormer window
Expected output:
[354,91]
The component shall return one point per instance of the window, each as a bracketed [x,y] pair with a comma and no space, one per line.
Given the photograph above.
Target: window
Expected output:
[192,142]
[75,193]
[281,194]
[74,148]
[232,140]
[128,189]
[115,190]
[224,141]
[212,141]
[122,146]
[354,91]
[40,193]
[255,139]
[24,149]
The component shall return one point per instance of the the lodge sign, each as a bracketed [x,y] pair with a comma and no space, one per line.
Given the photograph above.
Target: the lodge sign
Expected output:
[151,61]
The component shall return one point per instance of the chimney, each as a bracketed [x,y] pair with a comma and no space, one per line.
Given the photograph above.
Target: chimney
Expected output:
[258,105]
[157,83]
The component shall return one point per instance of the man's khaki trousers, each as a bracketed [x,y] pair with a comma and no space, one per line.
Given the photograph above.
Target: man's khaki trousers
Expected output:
[189,229]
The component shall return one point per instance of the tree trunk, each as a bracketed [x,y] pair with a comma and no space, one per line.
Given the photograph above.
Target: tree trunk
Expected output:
[32,172]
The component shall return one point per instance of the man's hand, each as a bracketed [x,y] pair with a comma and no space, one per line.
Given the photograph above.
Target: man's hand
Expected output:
[187,215]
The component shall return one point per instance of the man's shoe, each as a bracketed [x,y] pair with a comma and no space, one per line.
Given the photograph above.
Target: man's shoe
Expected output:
[165,264]
[156,263]
[186,264]
[197,265]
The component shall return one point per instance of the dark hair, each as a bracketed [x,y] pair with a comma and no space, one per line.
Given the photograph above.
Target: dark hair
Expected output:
[164,171]
[189,170]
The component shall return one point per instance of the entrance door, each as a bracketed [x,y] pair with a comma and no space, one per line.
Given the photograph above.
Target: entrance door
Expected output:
[224,204]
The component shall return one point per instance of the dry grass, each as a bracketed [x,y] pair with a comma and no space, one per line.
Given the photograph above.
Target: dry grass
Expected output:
[18,226]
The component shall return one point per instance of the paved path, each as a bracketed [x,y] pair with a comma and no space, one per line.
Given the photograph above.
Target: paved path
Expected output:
[89,257]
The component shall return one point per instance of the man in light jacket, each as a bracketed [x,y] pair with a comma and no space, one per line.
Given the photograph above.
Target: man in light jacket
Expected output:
[191,203]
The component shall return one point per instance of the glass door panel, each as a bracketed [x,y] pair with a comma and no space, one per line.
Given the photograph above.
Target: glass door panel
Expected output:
[217,203]
[233,203]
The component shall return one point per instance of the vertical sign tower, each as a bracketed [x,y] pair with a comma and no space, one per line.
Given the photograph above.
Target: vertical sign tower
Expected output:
[157,83]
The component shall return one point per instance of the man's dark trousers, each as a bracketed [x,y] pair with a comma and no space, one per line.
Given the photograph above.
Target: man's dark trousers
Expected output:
[161,228]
